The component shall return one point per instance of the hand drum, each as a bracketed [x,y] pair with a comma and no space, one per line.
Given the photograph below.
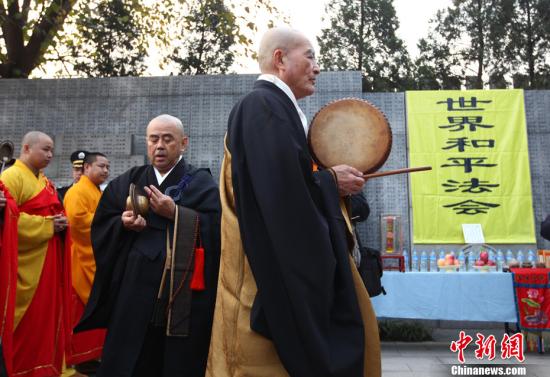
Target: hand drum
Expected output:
[350,131]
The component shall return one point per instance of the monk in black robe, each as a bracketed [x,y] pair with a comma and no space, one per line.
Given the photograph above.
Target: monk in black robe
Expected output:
[545,228]
[290,300]
[155,294]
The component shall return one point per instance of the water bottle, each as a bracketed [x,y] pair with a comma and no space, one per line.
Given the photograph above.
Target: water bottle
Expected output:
[492,255]
[406,260]
[471,261]
[500,260]
[415,265]
[442,254]
[509,256]
[433,262]
[461,261]
[424,261]
[531,258]
[521,257]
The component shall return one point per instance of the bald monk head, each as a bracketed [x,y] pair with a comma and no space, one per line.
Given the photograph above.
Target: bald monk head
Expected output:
[288,54]
[36,150]
[166,141]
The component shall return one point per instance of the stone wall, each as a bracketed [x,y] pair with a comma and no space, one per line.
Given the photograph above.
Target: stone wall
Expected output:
[110,115]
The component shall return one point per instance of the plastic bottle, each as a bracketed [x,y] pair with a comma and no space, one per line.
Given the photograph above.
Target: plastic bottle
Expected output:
[471,261]
[500,260]
[406,260]
[531,258]
[509,256]
[521,257]
[424,261]
[433,262]
[461,261]
[415,266]
[442,254]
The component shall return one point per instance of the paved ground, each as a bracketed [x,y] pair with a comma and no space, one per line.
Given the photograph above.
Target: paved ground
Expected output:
[428,359]
[431,359]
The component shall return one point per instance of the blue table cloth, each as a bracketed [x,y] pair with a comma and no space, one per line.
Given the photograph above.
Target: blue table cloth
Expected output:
[459,296]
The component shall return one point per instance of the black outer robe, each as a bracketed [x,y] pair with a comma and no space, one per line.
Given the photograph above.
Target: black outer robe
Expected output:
[294,237]
[129,269]
[545,228]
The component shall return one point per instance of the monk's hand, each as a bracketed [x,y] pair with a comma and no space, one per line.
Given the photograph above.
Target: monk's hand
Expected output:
[2,200]
[60,223]
[162,205]
[350,180]
[131,222]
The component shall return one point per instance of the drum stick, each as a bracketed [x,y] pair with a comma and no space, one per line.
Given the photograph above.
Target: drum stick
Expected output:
[397,171]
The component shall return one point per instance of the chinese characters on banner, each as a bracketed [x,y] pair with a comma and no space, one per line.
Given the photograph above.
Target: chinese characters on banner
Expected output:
[476,143]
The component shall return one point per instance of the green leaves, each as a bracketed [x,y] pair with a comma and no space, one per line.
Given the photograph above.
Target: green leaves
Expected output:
[480,43]
[114,37]
[362,36]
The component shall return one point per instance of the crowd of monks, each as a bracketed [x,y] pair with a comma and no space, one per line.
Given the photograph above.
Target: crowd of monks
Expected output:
[167,274]
[47,261]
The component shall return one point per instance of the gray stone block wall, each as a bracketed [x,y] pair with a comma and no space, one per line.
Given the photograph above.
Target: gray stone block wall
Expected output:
[537,112]
[389,195]
[110,115]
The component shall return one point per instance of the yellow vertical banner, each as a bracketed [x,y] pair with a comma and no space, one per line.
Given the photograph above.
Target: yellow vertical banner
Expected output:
[476,142]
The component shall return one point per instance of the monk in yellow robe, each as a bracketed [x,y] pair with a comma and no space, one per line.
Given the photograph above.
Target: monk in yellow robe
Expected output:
[80,203]
[41,328]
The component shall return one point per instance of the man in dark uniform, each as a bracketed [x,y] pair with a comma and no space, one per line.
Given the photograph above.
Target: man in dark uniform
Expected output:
[77,162]
[155,292]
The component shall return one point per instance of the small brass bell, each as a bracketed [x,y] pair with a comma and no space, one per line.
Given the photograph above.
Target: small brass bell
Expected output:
[137,203]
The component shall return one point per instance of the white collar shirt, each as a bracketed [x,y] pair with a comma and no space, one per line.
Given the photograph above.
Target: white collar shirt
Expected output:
[285,88]
[160,177]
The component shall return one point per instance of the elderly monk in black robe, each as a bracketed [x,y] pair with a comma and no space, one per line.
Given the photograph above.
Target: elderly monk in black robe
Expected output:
[155,284]
[290,301]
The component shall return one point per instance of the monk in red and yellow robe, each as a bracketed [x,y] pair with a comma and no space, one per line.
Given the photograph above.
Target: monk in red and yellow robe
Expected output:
[80,204]
[41,319]
[9,214]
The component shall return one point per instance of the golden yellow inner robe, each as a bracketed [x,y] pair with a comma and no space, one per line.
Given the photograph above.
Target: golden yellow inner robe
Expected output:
[34,233]
[80,204]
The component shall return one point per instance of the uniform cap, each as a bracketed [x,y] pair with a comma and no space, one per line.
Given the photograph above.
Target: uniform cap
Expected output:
[77,158]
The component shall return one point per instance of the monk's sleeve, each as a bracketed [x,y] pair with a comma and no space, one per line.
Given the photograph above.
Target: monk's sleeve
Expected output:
[286,240]
[79,215]
[32,229]
[110,243]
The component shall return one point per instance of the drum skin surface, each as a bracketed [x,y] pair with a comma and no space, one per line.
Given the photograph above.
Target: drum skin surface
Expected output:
[350,131]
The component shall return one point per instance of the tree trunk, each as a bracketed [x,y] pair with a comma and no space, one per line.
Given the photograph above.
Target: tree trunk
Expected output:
[481,50]
[21,59]
[530,47]
[361,32]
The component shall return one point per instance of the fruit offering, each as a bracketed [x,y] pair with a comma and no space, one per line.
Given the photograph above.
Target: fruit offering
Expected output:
[449,263]
[484,263]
